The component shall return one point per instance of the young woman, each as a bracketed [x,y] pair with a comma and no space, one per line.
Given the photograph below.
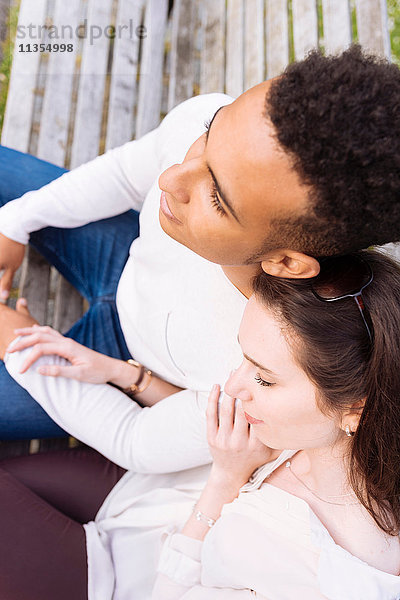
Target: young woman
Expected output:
[302,499]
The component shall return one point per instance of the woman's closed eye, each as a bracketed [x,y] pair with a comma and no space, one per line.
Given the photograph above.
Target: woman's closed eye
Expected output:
[261,381]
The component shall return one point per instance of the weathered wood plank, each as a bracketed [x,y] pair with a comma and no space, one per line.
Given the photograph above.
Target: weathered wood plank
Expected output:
[53,134]
[277,36]
[34,285]
[234,78]
[372,27]
[182,53]
[18,116]
[337,25]
[212,70]
[151,67]
[68,306]
[254,56]
[305,27]
[120,125]
[92,81]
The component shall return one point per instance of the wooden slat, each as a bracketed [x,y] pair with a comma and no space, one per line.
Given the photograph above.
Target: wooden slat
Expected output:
[53,134]
[182,53]
[277,36]
[372,27]
[68,305]
[120,124]
[151,67]
[35,282]
[18,116]
[254,59]
[337,25]
[234,80]
[305,27]
[212,73]
[92,80]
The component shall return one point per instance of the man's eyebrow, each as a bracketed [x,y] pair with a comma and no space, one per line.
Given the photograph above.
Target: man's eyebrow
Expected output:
[256,364]
[208,125]
[217,186]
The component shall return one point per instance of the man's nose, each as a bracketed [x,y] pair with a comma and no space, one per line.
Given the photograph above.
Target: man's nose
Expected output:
[176,181]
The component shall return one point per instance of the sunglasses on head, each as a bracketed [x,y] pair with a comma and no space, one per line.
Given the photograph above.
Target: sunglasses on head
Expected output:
[343,277]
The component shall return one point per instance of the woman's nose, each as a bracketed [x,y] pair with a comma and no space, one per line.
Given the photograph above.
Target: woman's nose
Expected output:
[236,385]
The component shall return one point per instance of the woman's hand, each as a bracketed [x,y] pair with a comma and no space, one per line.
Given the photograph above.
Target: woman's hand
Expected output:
[236,451]
[86,364]
[235,448]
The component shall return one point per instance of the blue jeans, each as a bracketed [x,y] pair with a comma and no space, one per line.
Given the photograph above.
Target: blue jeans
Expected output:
[92,258]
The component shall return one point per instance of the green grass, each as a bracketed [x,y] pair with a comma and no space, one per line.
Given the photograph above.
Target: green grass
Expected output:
[394,28]
[5,66]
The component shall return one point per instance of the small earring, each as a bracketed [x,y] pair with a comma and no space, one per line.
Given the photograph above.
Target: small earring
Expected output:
[348,432]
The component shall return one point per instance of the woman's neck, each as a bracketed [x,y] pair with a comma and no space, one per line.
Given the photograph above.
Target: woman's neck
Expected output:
[323,470]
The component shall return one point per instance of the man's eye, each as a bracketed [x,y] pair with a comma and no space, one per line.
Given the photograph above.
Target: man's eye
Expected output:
[261,381]
[215,201]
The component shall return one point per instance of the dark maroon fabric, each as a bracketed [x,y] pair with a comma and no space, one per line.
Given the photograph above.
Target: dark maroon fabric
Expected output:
[44,499]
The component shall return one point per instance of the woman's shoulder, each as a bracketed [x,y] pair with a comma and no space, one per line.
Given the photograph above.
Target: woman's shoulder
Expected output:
[355,532]
[359,563]
[349,525]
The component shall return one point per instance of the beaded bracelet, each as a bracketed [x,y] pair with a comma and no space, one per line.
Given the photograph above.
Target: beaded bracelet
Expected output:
[202,517]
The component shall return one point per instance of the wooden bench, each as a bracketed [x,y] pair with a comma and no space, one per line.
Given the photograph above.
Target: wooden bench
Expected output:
[69,107]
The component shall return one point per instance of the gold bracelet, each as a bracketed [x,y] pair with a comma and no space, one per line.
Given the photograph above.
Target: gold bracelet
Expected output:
[134,387]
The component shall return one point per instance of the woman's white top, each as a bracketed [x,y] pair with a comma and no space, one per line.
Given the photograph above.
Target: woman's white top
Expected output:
[267,540]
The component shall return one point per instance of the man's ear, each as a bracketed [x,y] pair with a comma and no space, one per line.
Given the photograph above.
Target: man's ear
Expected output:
[351,416]
[290,264]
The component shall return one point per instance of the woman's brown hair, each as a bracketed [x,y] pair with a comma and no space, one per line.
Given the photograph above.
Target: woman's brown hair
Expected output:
[332,346]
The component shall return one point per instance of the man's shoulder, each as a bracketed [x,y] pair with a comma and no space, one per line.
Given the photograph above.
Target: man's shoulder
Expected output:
[185,123]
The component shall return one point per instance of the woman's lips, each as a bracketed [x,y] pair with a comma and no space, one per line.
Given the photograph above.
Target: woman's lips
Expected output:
[251,420]
[165,209]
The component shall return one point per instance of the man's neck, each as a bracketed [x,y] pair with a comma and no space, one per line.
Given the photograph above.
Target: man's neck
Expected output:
[242,277]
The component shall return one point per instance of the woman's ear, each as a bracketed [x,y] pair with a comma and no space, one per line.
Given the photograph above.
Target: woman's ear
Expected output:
[351,417]
[290,264]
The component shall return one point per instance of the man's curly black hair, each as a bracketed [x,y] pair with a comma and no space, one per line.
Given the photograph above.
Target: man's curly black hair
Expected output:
[338,118]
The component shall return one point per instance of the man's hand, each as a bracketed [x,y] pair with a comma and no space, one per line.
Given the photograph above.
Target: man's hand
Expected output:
[11,256]
[10,319]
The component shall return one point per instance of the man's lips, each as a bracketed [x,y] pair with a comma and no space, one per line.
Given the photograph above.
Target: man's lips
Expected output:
[252,420]
[165,209]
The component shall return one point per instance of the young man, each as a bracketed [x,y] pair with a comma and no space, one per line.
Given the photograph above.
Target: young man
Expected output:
[302,166]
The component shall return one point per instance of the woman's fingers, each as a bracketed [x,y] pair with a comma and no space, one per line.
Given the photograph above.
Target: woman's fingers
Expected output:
[226,415]
[241,427]
[44,349]
[212,412]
